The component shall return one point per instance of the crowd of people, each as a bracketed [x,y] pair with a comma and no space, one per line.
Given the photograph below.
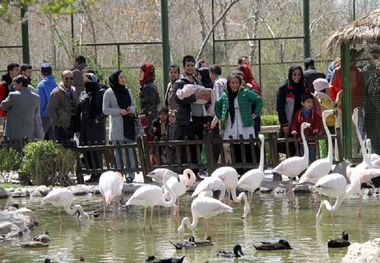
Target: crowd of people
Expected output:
[198,97]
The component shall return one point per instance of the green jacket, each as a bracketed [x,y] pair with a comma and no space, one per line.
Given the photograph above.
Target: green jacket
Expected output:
[246,98]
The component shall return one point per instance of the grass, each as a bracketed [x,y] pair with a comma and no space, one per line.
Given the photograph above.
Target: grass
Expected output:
[10,185]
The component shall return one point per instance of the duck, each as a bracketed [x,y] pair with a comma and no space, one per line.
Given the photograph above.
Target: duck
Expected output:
[236,253]
[343,242]
[280,245]
[192,243]
[153,259]
[44,237]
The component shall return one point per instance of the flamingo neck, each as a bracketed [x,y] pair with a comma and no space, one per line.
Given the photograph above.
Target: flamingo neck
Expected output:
[238,199]
[70,211]
[336,205]
[305,146]
[172,200]
[329,141]
[261,164]
[193,225]
[361,142]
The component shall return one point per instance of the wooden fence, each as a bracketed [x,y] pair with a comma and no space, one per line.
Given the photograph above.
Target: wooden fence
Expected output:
[207,153]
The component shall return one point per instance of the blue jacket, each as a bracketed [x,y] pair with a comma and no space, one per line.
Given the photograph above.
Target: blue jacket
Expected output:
[44,89]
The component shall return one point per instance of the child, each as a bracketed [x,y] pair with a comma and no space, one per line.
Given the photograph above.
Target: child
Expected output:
[320,88]
[159,129]
[172,135]
[307,114]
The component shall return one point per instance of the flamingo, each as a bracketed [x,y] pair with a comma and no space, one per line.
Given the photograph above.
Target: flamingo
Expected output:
[230,177]
[202,206]
[293,166]
[252,179]
[110,186]
[333,185]
[63,197]
[210,184]
[158,174]
[152,195]
[320,167]
[375,159]
[179,188]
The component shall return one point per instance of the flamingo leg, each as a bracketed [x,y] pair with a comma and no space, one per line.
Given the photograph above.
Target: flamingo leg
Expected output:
[206,228]
[360,206]
[290,188]
[59,214]
[113,212]
[144,217]
[151,218]
[104,209]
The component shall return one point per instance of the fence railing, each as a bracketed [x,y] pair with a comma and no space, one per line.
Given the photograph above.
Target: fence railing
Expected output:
[207,153]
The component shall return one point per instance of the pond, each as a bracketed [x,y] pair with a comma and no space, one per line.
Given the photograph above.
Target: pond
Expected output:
[272,217]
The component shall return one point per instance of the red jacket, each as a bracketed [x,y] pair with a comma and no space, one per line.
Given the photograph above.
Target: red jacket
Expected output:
[3,94]
[314,119]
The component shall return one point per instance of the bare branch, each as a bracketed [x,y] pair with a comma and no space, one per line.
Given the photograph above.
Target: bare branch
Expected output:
[231,4]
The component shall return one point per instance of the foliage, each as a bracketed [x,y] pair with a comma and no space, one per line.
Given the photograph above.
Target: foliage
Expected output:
[9,160]
[47,163]
[269,120]
[10,185]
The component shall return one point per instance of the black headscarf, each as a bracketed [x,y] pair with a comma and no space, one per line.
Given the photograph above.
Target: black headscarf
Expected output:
[300,84]
[231,97]
[124,101]
[297,89]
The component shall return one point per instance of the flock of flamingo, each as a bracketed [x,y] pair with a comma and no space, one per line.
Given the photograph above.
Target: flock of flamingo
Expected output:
[207,204]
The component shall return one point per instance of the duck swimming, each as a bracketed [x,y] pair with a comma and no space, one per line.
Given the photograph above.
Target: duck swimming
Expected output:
[153,259]
[280,245]
[192,243]
[343,242]
[44,237]
[236,253]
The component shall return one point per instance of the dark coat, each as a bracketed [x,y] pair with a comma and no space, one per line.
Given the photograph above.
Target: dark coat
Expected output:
[309,76]
[92,120]
[184,106]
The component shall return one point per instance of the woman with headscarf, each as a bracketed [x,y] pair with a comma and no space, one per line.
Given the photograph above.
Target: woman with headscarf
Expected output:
[92,124]
[288,101]
[119,104]
[149,97]
[233,110]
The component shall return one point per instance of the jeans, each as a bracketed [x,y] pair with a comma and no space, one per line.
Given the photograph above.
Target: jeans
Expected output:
[63,136]
[312,151]
[121,155]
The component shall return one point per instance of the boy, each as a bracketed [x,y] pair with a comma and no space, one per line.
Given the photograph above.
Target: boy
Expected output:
[307,114]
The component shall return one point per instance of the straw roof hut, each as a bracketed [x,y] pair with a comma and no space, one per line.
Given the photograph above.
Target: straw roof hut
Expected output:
[363,30]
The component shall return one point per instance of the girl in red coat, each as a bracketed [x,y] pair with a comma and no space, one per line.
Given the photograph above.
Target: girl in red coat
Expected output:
[307,114]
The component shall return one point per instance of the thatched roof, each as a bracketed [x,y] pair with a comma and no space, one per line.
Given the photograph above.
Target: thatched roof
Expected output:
[363,30]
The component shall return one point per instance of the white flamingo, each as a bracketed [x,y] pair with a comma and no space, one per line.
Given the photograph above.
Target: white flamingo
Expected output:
[63,197]
[152,195]
[323,166]
[110,186]
[202,206]
[333,185]
[375,158]
[252,179]
[293,166]
[179,188]
[230,179]
[158,174]
[210,185]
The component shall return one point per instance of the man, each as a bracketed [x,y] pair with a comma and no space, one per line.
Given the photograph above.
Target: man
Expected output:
[190,117]
[220,83]
[310,74]
[13,70]
[62,109]
[22,106]
[26,70]
[174,72]
[243,60]
[44,89]
[79,65]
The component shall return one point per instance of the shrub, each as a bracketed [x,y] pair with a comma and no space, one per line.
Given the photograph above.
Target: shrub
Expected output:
[47,163]
[269,120]
[9,160]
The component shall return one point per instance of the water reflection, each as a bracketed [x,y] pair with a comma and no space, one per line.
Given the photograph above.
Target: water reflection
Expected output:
[272,217]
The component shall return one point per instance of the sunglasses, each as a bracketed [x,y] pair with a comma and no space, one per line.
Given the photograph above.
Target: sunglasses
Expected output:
[67,78]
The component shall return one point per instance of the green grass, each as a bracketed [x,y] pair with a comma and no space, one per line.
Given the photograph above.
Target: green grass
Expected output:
[269,120]
[10,185]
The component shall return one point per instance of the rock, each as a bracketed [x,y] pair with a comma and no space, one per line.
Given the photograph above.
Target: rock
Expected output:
[8,229]
[363,252]
[301,188]
[36,193]
[43,189]
[131,188]
[18,193]
[33,244]
[22,218]
[3,193]
[264,189]
[279,190]
[79,189]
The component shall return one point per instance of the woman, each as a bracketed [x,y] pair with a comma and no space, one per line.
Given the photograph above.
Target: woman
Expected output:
[288,102]
[119,104]
[149,97]
[233,110]
[92,123]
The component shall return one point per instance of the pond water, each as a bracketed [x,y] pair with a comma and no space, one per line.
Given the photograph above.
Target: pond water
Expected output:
[271,218]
